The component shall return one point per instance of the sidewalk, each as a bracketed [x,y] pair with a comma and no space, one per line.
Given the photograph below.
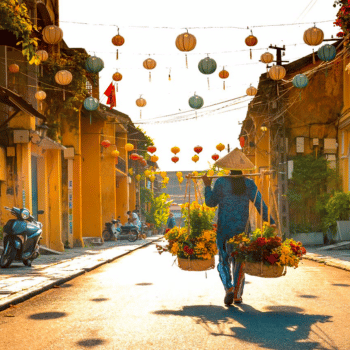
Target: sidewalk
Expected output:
[339,258]
[19,283]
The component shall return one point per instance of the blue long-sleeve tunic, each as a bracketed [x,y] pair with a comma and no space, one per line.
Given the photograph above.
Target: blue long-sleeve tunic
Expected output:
[233,209]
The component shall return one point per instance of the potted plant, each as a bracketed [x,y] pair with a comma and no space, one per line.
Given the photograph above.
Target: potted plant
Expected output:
[195,244]
[264,254]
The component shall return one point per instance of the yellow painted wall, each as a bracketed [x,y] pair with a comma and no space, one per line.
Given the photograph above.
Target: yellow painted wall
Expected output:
[122,198]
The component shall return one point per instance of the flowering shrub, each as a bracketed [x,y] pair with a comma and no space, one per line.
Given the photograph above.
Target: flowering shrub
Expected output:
[343,17]
[264,246]
[197,243]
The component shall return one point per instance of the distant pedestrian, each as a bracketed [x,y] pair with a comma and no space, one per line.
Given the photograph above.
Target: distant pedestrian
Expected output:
[171,223]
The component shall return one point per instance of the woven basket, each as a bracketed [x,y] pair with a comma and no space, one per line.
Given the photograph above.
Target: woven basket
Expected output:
[196,264]
[261,270]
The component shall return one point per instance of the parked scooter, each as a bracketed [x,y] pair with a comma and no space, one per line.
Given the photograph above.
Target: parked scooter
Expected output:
[112,230]
[21,238]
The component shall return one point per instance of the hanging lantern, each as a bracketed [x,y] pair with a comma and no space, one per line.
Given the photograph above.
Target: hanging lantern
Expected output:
[220,147]
[300,81]
[207,66]
[151,149]
[166,180]
[118,40]
[224,75]
[251,40]
[326,53]
[147,173]
[149,64]
[186,42]
[242,141]
[179,174]
[131,171]
[63,77]
[138,177]
[91,103]
[215,157]
[105,143]
[266,58]
[52,34]
[195,158]
[40,96]
[117,77]
[141,102]
[210,172]
[154,158]
[251,91]
[196,102]
[277,72]
[43,55]
[152,178]
[129,147]
[94,64]
[175,159]
[181,179]
[115,153]
[175,150]
[263,127]
[14,68]
[134,156]
[163,174]
[313,37]
[198,149]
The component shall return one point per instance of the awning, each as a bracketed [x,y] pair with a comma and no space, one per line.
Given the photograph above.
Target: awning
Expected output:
[12,99]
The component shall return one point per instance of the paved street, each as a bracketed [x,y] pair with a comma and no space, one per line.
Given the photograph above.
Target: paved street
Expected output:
[144,301]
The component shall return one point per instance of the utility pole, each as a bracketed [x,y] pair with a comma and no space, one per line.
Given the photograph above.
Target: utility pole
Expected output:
[279,50]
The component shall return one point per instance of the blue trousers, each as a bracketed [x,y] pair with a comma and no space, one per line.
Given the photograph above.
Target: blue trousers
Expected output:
[231,271]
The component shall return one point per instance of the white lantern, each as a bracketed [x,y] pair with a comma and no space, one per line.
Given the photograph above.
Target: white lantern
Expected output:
[40,96]
[63,77]
[52,34]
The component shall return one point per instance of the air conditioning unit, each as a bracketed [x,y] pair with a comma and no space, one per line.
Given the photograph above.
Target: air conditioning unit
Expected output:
[330,146]
[300,141]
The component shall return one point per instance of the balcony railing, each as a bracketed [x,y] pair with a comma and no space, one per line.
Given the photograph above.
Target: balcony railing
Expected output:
[121,165]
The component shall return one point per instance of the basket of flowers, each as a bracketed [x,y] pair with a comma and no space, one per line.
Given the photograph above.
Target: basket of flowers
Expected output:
[264,253]
[195,244]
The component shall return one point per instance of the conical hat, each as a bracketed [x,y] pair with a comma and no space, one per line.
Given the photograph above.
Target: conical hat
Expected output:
[235,160]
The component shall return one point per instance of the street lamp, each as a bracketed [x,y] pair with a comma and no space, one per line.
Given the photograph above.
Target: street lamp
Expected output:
[263,127]
[39,134]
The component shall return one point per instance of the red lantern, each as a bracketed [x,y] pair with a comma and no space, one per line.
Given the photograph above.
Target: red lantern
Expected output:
[151,149]
[251,40]
[175,159]
[198,149]
[242,141]
[134,156]
[215,157]
[105,143]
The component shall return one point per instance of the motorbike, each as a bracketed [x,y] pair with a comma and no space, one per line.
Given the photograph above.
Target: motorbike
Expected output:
[111,230]
[21,238]
[133,232]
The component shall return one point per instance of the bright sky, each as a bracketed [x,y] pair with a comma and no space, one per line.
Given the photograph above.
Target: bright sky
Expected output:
[150,29]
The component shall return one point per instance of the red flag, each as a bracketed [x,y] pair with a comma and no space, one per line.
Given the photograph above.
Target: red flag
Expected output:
[110,92]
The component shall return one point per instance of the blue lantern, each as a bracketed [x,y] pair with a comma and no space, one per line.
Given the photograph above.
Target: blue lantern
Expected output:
[326,52]
[300,81]
[91,104]
[196,102]
[207,66]
[94,64]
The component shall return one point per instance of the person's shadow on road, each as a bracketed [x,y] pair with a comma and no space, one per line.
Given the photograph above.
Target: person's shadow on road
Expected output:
[280,327]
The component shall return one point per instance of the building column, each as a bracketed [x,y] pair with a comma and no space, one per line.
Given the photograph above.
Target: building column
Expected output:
[43,201]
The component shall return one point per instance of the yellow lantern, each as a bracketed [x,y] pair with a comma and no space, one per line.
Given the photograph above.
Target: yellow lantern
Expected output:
[129,147]
[147,173]
[251,91]
[181,179]
[43,55]
[277,72]
[52,34]
[186,42]
[313,37]
[138,177]
[63,77]
[40,96]
[195,173]
[154,158]
[220,147]
[163,174]
[152,178]
[117,77]
[166,180]
[179,174]
[141,102]
[227,171]
[210,172]
[175,150]
[131,171]
[115,153]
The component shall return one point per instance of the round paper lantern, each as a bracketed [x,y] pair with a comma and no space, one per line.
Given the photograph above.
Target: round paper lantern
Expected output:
[224,74]
[166,180]
[175,149]
[141,102]
[313,36]
[220,147]
[129,147]
[175,159]
[196,102]
[186,42]
[195,158]
[163,174]
[179,174]
[266,57]
[251,40]
[134,156]
[52,34]
[152,178]
[131,171]
[251,91]
[326,53]
[43,55]
[198,149]
[215,157]
[242,141]
[149,64]
[151,149]
[94,64]
[14,68]
[147,173]
[105,143]
[277,72]
[91,103]
[207,65]
[63,77]
[115,153]
[118,40]
[300,81]
[117,76]
[210,172]
[138,177]
[181,179]
[40,96]
[154,158]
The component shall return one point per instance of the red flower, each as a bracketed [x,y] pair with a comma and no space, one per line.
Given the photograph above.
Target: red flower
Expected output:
[261,241]
[273,258]
[167,230]
[340,34]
